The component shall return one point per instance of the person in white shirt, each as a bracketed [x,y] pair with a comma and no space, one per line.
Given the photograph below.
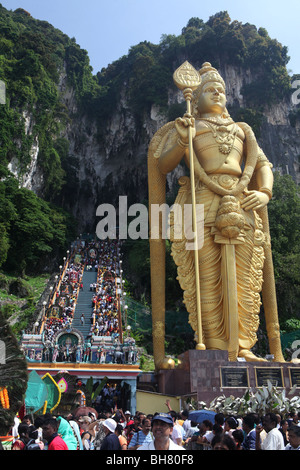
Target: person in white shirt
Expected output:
[178,432]
[162,427]
[186,421]
[274,438]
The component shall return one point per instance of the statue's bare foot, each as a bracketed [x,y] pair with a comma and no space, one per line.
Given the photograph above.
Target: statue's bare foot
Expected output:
[249,356]
[167,363]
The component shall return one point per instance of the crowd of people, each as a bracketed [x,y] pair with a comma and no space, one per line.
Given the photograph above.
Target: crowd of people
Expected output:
[105,302]
[60,312]
[105,308]
[118,430]
[102,257]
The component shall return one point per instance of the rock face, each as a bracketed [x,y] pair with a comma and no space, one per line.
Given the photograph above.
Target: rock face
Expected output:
[116,164]
[280,141]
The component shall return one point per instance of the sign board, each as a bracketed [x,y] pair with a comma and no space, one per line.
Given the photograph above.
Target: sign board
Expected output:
[294,374]
[273,374]
[234,377]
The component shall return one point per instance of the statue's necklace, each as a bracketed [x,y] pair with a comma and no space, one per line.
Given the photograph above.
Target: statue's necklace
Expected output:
[224,136]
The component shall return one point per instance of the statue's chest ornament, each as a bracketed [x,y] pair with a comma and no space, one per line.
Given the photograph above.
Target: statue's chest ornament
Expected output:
[224,135]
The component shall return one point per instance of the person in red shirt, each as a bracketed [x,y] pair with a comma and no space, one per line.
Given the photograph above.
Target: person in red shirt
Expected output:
[55,442]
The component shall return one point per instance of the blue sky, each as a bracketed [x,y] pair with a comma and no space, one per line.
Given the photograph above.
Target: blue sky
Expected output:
[108,28]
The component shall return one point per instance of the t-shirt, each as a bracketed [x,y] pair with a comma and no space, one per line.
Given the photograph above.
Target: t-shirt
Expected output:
[150,446]
[209,435]
[139,438]
[289,447]
[177,433]
[186,425]
[57,444]
[249,441]
[111,442]
[273,441]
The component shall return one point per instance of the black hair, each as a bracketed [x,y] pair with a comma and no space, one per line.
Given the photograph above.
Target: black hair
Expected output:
[28,417]
[217,428]
[173,414]
[224,439]
[249,420]
[295,429]
[232,422]
[208,424]
[272,416]
[238,435]
[51,422]
[23,429]
[38,422]
[145,419]
[119,428]
[219,419]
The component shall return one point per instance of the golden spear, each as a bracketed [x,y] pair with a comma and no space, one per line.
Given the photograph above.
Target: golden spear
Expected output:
[188,79]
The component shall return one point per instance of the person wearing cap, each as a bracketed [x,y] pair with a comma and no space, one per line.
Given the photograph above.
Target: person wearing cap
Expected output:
[111,440]
[126,417]
[162,427]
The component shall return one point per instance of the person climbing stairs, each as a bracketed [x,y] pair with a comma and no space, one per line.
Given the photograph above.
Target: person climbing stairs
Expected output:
[84,304]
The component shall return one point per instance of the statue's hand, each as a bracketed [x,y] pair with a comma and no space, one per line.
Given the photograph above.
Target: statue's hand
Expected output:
[182,126]
[254,200]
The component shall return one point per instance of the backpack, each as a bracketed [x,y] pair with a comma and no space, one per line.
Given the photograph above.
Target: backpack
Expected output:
[32,445]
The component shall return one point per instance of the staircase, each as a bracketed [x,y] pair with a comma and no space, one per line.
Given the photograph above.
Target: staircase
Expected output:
[84,304]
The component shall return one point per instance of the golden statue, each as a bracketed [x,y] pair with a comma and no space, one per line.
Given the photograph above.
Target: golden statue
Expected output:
[231,177]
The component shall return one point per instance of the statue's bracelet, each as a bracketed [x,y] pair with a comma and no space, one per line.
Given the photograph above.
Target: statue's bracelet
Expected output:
[266,191]
[182,144]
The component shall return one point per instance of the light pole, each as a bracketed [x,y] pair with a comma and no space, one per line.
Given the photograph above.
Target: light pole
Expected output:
[50,295]
[125,314]
[119,292]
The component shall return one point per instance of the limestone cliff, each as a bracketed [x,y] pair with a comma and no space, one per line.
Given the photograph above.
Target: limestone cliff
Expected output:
[82,140]
[117,165]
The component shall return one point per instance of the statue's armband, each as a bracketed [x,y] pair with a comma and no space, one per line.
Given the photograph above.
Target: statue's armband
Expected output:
[262,160]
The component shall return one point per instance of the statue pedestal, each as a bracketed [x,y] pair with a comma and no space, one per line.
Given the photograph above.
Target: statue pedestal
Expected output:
[205,375]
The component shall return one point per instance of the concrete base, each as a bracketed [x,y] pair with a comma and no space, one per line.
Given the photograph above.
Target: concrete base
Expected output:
[209,374]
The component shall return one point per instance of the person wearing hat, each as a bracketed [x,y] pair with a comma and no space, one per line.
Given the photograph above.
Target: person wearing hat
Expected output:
[162,427]
[111,440]
[126,418]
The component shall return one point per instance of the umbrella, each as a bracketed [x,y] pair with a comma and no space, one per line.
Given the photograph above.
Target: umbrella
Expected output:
[199,416]
[84,411]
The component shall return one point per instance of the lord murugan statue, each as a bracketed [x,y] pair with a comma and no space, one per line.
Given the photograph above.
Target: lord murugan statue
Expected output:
[226,279]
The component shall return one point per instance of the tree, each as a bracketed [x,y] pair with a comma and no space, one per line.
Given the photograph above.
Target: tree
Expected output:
[32,228]
[13,376]
[284,215]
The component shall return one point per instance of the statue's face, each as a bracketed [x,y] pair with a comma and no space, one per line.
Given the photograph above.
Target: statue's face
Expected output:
[212,99]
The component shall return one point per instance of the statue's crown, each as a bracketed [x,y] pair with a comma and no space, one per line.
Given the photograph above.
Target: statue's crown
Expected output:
[207,74]
[210,74]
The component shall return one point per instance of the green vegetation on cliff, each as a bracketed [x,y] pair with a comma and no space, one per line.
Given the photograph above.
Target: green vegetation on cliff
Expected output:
[38,62]
[34,58]
[147,68]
